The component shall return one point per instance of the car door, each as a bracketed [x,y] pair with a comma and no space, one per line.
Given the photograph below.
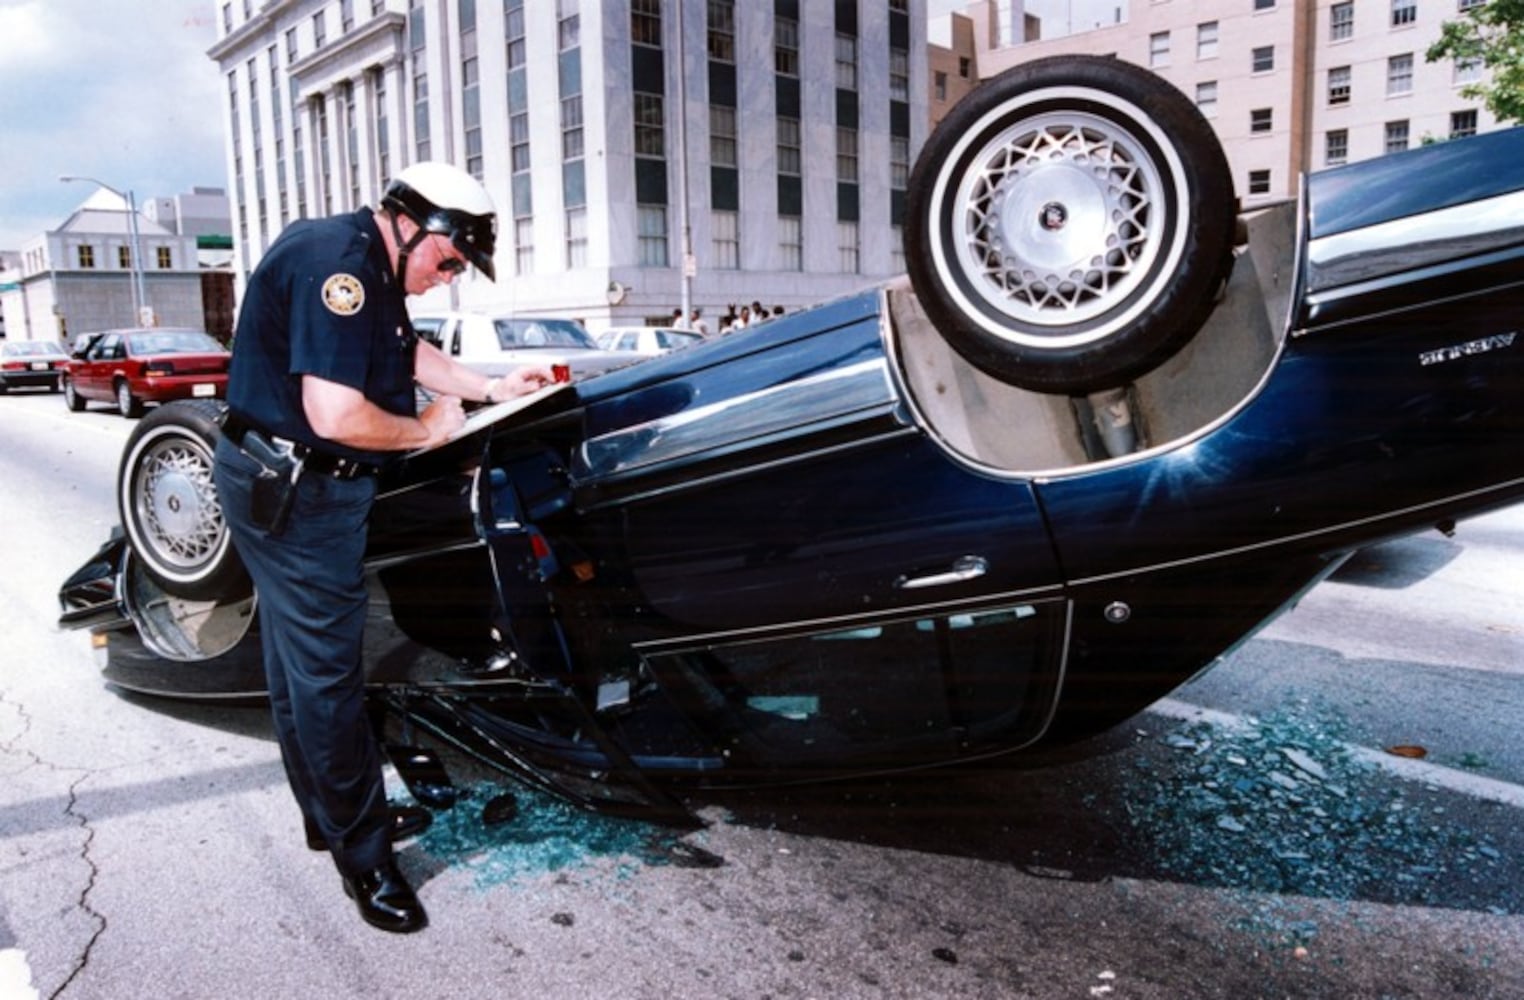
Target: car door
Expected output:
[100,360]
[817,576]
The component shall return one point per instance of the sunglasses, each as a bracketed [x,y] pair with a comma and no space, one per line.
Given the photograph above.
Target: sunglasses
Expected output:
[452,265]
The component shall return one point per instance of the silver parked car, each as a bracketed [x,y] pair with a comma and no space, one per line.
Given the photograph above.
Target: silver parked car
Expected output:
[26,363]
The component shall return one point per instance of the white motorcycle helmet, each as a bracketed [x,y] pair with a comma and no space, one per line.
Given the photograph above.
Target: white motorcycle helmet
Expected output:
[445,200]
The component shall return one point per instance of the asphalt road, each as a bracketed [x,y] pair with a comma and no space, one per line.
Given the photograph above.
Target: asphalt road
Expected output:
[1252,837]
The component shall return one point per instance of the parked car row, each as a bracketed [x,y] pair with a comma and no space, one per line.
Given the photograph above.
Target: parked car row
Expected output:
[133,367]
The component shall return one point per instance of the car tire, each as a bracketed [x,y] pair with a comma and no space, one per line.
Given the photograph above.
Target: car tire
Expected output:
[1070,224]
[169,507]
[72,399]
[129,404]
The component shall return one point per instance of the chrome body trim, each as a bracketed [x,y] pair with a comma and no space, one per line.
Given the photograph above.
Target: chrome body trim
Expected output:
[793,408]
[1417,241]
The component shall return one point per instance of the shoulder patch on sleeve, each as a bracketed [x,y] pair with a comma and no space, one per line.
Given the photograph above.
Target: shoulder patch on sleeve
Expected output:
[343,294]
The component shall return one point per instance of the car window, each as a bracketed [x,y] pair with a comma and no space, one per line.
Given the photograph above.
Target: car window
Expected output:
[174,342]
[428,328]
[104,348]
[30,348]
[562,333]
[629,342]
[671,340]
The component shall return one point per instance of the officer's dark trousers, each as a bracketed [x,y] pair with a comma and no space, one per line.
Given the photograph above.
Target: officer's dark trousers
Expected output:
[312,606]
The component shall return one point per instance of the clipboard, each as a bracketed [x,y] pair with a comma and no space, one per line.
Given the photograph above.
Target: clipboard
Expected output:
[487,415]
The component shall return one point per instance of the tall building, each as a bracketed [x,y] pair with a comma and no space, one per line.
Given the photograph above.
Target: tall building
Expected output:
[1290,86]
[641,153]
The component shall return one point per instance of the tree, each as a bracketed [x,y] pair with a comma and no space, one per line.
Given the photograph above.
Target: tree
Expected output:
[1491,33]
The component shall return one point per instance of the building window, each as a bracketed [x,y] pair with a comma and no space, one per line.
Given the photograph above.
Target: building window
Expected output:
[650,127]
[513,32]
[227,18]
[1468,4]
[899,162]
[847,247]
[418,41]
[1336,147]
[1462,124]
[939,85]
[1206,98]
[1261,120]
[346,16]
[1158,49]
[1468,70]
[1399,75]
[1206,40]
[791,242]
[1404,12]
[166,259]
[319,30]
[645,24]
[652,223]
[786,46]
[86,257]
[1338,85]
[722,31]
[790,157]
[1396,136]
[725,228]
[722,135]
[471,91]
[576,238]
[1341,21]
[1263,59]
[568,25]
[1264,4]
[846,62]
[1259,182]
[899,75]
[572,146]
[965,67]
[124,258]
[382,136]
[290,44]
[846,155]
[523,245]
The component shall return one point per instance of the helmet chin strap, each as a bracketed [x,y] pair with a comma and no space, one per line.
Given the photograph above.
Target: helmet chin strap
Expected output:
[403,248]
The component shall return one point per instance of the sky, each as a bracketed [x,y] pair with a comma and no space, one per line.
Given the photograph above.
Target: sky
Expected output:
[119,90]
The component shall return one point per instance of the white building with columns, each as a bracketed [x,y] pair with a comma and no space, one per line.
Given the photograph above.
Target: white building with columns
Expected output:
[642,153]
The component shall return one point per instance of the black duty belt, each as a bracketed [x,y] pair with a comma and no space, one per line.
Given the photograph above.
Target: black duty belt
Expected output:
[235,427]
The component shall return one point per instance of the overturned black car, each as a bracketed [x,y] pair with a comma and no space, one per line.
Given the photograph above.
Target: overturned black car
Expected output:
[1104,431]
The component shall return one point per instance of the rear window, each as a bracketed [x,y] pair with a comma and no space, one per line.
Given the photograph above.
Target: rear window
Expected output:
[175,342]
[30,348]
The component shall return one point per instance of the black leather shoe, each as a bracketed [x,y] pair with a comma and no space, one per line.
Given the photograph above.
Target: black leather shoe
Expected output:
[407,821]
[386,900]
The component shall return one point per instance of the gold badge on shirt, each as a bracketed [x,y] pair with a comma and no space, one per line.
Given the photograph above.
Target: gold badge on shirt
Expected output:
[343,294]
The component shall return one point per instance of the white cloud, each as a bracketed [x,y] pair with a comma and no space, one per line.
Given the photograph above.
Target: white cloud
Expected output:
[121,90]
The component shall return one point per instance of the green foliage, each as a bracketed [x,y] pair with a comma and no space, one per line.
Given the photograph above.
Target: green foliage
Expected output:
[1493,33]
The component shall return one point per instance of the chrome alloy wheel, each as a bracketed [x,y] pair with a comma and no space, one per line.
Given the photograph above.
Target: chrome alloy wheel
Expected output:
[177,513]
[1058,221]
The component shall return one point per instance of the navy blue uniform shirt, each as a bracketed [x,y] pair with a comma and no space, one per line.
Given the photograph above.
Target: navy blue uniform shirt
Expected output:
[323,301]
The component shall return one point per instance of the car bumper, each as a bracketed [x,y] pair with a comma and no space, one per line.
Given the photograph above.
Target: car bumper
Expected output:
[162,390]
[22,380]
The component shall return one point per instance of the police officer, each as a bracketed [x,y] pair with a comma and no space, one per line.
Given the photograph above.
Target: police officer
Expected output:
[321,393]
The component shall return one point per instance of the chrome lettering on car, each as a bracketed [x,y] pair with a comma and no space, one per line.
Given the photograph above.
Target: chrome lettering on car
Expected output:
[1479,346]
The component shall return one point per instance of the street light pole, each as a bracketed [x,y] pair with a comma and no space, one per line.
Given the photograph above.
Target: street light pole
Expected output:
[140,306]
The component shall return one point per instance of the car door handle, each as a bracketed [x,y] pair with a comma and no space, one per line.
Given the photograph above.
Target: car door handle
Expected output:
[963,568]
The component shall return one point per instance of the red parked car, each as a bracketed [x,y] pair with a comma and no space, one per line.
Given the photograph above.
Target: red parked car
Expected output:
[155,364]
